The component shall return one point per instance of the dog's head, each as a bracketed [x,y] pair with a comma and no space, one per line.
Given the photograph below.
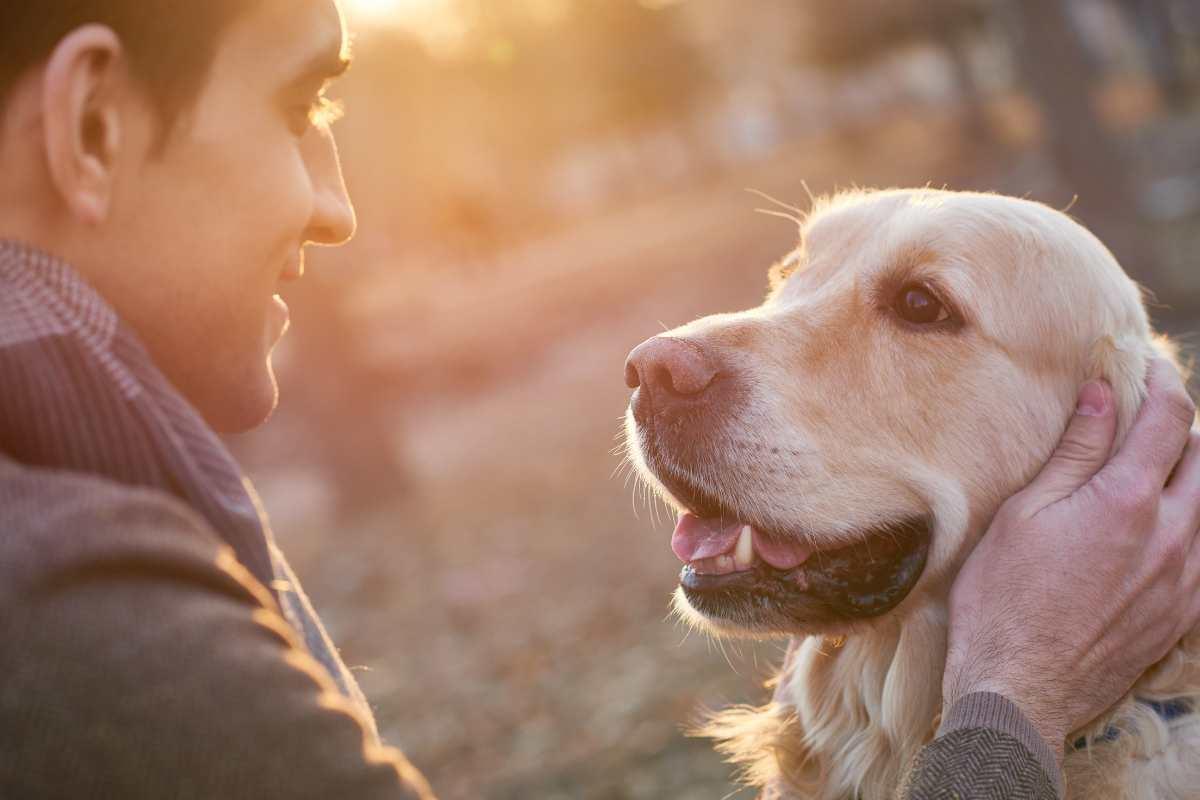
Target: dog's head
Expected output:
[836,451]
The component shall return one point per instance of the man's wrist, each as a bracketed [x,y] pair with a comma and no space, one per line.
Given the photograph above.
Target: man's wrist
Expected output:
[990,709]
[1041,715]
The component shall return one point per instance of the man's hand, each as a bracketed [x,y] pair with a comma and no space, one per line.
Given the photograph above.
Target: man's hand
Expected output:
[1090,574]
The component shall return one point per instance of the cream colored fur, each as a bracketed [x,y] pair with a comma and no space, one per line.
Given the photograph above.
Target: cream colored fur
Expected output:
[877,423]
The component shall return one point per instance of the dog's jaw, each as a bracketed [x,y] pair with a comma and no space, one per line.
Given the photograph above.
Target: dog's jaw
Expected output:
[853,574]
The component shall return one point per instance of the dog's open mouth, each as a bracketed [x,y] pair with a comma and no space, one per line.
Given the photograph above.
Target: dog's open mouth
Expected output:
[738,572]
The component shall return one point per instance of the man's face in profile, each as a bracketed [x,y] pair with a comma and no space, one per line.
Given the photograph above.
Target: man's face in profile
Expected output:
[212,224]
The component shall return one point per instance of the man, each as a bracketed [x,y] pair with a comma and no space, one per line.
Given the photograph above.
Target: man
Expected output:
[164,164]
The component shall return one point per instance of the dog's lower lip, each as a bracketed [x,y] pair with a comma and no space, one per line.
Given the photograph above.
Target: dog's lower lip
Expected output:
[856,581]
[743,579]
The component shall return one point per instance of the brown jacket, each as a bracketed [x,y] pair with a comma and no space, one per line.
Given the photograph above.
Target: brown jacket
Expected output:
[139,659]
[985,750]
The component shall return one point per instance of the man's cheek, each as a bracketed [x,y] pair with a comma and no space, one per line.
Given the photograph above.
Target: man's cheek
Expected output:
[284,197]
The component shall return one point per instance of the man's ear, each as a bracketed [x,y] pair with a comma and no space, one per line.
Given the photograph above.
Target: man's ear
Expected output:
[81,93]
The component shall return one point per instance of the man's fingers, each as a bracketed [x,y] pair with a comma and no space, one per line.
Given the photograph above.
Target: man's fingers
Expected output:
[1159,433]
[1191,582]
[1083,449]
[1184,489]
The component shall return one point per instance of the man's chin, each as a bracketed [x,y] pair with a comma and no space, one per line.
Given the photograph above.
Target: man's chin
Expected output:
[242,406]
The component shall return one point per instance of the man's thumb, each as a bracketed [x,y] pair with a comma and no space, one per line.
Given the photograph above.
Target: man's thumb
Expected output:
[1084,447]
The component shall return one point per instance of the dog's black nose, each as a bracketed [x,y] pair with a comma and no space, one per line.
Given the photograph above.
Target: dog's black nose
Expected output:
[669,369]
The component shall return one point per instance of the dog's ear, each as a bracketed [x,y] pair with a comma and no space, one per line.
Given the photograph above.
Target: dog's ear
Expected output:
[1123,361]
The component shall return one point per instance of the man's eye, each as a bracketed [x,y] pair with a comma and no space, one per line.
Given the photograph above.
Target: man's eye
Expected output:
[917,305]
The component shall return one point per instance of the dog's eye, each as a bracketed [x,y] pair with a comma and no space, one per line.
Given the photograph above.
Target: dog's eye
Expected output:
[917,305]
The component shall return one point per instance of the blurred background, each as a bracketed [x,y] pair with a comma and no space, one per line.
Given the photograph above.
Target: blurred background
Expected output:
[541,184]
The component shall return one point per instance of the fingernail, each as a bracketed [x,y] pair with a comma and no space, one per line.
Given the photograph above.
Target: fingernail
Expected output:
[1093,400]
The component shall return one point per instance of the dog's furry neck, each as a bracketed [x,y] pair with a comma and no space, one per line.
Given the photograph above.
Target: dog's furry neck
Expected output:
[847,718]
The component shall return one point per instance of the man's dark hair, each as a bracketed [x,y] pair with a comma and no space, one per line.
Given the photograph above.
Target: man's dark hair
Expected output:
[170,44]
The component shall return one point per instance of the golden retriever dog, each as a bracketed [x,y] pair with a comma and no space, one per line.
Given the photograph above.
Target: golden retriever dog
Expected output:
[836,452]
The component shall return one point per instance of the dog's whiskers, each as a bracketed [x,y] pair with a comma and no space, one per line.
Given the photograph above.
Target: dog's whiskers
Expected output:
[725,655]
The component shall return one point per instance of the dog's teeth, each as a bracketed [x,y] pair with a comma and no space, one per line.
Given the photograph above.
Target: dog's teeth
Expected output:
[743,554]
[724,564]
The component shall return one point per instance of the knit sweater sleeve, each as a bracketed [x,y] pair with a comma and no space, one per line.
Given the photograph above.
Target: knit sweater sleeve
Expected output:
[985,750]
[139,659]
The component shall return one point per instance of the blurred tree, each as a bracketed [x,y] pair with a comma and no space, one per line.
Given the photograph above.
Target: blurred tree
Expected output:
[1166,29]
[1056,71]
[848,34]
[1092,165]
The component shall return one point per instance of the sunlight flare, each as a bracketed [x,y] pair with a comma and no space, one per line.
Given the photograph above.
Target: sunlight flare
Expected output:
[404,12]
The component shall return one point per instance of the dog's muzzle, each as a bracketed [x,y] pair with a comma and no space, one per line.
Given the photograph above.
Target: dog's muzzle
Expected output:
[684,400]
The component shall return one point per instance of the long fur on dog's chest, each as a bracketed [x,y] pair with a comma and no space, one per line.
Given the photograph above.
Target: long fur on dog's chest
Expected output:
[846,721]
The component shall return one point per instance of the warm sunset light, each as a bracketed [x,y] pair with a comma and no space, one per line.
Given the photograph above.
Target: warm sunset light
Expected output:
[406,12]
[438,23]
[649,356]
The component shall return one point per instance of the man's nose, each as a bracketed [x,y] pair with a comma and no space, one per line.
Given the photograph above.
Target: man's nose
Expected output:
[670,370]
[333,221]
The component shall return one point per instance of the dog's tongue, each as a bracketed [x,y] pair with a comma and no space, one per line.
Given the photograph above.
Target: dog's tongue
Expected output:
[779,553]
[697,538]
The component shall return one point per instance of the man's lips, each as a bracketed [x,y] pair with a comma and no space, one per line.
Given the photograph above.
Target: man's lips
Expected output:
[294,270]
